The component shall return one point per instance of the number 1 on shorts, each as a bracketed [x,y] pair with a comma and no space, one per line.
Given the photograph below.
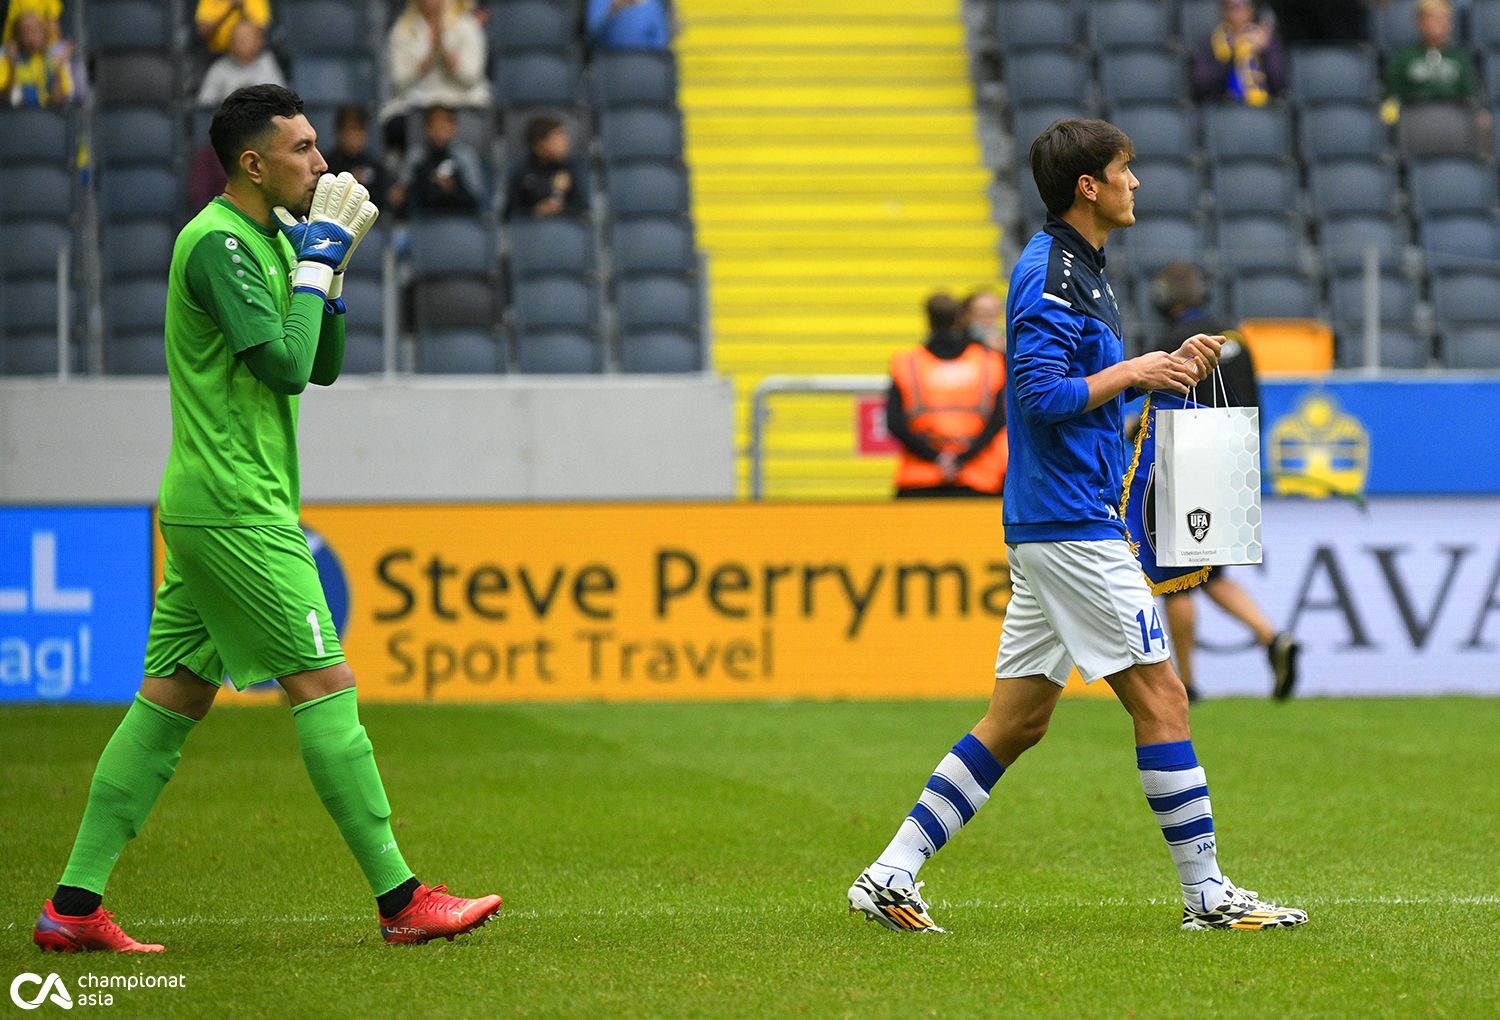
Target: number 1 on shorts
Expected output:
[1147,635]
[312,619]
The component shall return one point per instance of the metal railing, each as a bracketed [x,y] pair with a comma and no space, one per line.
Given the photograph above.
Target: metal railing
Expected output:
[787,385]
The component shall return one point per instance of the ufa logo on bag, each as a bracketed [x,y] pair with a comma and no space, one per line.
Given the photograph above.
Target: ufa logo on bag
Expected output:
[1197,522]
[50,984]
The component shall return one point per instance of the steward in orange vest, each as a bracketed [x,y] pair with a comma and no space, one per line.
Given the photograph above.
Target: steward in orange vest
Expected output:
[946,408]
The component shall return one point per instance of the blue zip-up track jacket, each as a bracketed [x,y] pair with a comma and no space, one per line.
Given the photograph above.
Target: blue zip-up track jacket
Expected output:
[1062,324]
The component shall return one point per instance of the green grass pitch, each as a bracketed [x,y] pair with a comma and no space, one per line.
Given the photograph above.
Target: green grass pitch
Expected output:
[691,860]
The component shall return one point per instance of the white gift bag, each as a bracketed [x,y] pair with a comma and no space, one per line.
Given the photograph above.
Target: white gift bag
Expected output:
[1208,485]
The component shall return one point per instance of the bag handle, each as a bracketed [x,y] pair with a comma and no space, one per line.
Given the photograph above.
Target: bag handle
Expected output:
[1213,391]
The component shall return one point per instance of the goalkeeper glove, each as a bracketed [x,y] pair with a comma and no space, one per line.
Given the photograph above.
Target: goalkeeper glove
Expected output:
[340,217]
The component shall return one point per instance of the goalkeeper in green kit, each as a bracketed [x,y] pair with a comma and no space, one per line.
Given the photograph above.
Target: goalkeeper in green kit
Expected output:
[253,315]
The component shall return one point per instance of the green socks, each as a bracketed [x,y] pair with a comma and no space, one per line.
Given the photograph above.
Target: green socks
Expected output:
[132,771]
[341,762]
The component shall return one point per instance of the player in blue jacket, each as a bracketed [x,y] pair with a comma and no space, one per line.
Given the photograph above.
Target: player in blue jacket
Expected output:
[1078,595]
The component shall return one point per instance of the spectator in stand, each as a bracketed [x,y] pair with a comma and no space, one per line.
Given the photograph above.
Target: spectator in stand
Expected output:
[546,182]
[1433,67]
[946,407]
[436,51]
[1321,21]
[443,175]
[981,319]
[50,11]
[248,62]
[351,154]
[217,20]
[1241,60]
[628,25]
[31,72]
[1180,296]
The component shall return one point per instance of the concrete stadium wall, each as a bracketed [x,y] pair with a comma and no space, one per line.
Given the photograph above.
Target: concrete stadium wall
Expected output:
[437,438]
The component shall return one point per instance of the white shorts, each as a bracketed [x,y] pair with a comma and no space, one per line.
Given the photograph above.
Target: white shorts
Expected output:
[1083,603]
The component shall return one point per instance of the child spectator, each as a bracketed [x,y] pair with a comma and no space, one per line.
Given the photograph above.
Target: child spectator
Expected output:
[1432,68]
[545,182]
[217,19]
[1241,60]
[248,62]
[31,73]
[50,11]
[350,153]
[443,175]
[628,25]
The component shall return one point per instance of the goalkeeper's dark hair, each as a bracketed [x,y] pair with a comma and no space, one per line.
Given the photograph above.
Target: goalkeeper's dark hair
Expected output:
[1069,149]
[244,115]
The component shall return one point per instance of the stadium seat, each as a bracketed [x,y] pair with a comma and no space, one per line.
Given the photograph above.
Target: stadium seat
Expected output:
[641,132]
[330,80]
[1438,129]
[536,79]
[648,189]
[142,191]
[364,352]
[137,353]
[1472,347]
[553,245]
[1484,25]
[566,352]
[529,25]
[654,244]
[660,351]
[1399,348]
[1158,130]
[1347,297]
[1452,185]
[134,79]
[31,354]
[515,119]
[1333,74]
[1255,242]
[28,306]
[1040,76]
[32,136]
[1167,186]
[1031,120]
[1197,18]
[460,352]
[364,296]
[455,301]
[1036,24]
[1142,76]
[118,25]
[1274,296]
[1255,186]
[1460,238]
[452,244]
[30,249]
[656,300]
[1343,240]
[322,27]
[1240,132]
[1343,130]
[1466,296]
[554,302]
[1396,25]
[1156,241]
[136,134]
[135,306]
[1126,24]
[1352,186]
[624,78]
[35,192]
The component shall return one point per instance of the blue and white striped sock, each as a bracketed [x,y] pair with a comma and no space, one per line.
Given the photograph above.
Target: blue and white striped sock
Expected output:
[1177,790]
[959,787]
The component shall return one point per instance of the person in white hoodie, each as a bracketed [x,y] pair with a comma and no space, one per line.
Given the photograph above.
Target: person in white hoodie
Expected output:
[248,62]
[436,51]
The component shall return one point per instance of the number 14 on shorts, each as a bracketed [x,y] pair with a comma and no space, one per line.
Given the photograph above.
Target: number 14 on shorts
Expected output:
[1151,631]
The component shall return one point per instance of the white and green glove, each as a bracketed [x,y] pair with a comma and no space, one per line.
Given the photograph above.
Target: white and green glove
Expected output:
[339,218]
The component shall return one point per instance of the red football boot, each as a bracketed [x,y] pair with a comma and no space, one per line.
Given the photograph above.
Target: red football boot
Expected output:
[433,914]
[96,932]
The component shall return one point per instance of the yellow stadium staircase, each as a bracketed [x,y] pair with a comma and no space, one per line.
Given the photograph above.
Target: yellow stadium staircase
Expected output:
[837,181]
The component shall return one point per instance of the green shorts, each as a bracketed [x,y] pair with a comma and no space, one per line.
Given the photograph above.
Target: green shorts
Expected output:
[242,601]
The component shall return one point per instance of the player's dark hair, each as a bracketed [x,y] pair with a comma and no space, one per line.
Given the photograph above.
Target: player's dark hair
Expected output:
[244,115]
[942,313]
[538,128]
[1069,149]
